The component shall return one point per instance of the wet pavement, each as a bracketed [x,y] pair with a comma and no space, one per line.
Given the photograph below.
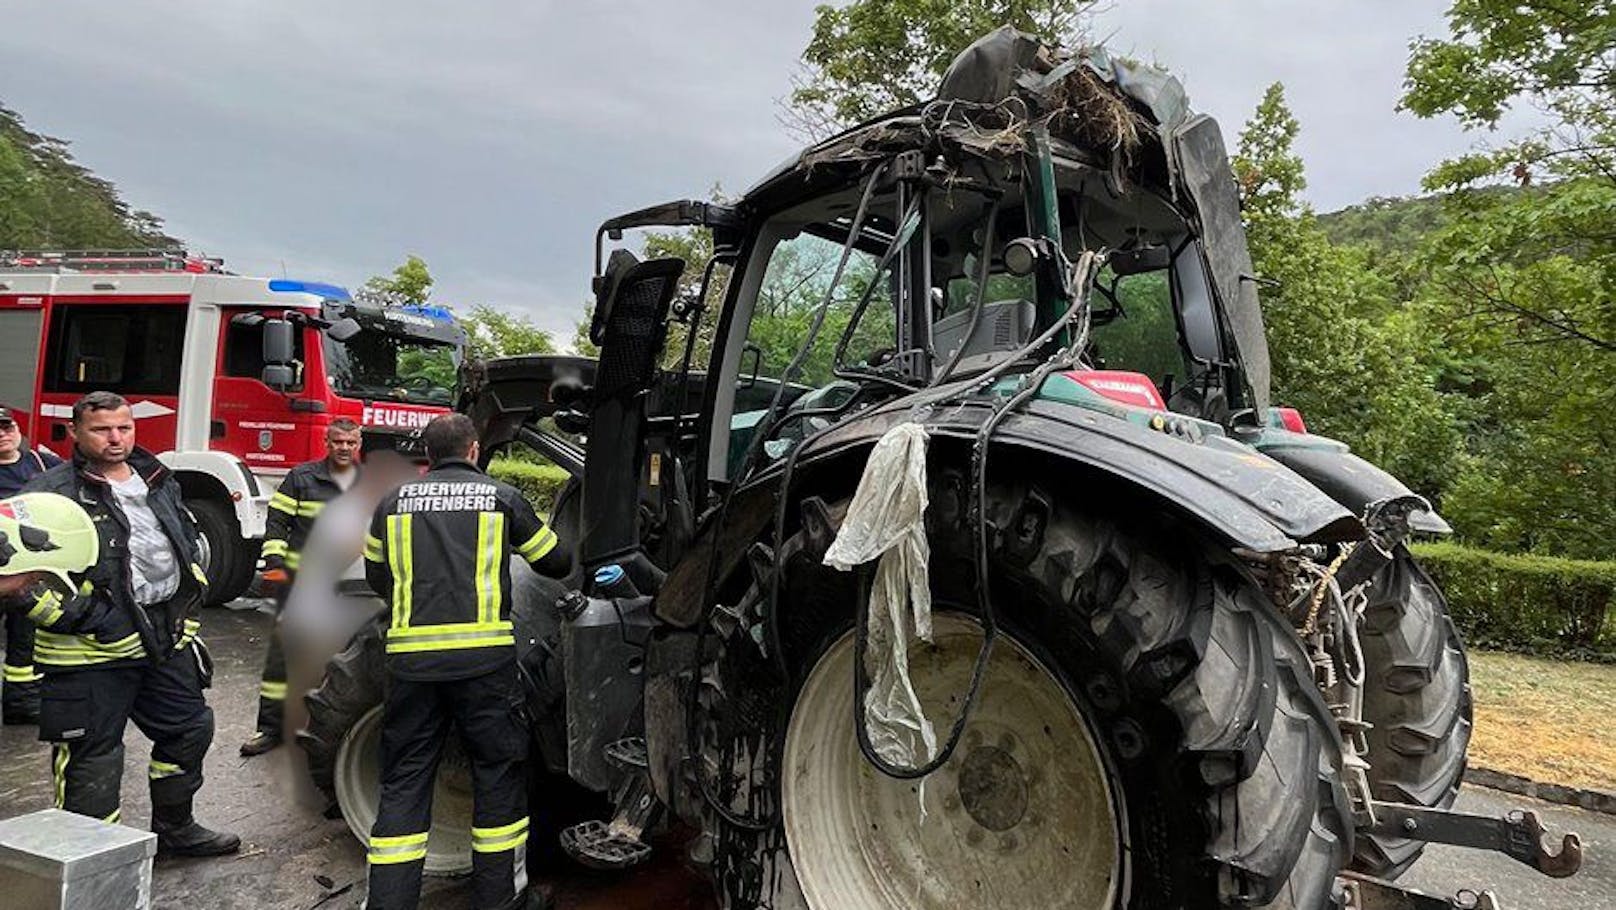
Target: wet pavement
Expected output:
[292,857]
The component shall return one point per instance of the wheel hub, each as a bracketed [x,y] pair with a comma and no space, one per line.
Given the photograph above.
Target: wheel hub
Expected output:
[993,788]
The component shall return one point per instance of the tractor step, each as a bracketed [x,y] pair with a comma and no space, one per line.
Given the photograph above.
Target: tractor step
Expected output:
[598,845]
[629,754]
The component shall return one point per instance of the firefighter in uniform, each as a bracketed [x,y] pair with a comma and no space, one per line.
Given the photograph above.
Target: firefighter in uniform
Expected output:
[126,647]
[439,552]
[292,510]
[19,692]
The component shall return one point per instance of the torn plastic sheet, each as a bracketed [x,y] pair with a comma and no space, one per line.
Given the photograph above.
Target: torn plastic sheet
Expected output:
[886,521]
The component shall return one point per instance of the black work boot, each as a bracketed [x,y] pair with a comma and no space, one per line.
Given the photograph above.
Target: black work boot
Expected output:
[259,743]
[19,703]
[178,834]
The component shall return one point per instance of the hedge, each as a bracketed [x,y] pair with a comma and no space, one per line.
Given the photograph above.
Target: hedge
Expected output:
[538,482]
[1537,604]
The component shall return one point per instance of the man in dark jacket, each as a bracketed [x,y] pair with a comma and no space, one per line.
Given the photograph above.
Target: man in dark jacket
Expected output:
[126,647]
[292,510]
[439,552]
[19,693]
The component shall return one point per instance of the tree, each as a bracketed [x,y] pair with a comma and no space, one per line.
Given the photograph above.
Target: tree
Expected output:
[411,281]
[1343,350]
[872,56]
[498,333]
[48,200]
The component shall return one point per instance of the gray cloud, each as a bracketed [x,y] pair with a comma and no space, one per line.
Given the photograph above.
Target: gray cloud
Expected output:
[330,139]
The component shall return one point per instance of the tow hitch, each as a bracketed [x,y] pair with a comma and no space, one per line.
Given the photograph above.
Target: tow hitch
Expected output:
[1518,834]
[1361,892]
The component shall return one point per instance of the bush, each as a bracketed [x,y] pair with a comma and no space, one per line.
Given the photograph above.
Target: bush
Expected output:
[1537,604]
[538,482]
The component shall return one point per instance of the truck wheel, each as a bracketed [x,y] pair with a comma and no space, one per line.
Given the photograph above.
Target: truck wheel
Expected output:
[1148,735]
[1417,696]
[228,560]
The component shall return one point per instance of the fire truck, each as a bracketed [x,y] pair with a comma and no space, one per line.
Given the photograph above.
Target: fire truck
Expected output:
[232,380]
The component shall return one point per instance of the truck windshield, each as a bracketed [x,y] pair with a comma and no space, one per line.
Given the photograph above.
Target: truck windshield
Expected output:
[376,365]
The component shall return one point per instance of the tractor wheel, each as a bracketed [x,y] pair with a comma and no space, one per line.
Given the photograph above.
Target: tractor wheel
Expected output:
[353,685]
[1148,735]
[1417,696]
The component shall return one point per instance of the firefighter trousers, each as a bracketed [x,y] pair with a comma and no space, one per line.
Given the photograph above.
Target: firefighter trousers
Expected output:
[272,684]
[83,714]
[19,697]
[486,710]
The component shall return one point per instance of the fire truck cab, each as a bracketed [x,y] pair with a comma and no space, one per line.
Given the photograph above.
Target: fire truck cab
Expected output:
[232,380]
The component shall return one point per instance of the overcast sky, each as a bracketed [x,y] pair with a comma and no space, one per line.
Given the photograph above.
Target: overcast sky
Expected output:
[330,138]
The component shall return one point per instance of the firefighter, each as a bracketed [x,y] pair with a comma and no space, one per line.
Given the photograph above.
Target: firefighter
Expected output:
[292,510]
[126,647]
[19,693]
[439,552]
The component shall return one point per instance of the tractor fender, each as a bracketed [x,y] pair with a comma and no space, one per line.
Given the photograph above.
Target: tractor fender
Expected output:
[1242,497]
[1350,480]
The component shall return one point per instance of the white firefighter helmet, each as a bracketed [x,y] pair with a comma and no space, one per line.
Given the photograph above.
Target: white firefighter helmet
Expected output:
[45,532]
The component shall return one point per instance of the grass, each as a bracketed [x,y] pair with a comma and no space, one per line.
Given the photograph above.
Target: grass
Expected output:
[1550,720]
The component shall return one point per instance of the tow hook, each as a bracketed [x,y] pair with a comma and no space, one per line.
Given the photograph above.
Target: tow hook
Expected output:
[1518,834]
[1363,892]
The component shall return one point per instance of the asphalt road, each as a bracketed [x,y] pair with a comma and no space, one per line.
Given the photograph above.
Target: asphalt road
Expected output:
[294,858]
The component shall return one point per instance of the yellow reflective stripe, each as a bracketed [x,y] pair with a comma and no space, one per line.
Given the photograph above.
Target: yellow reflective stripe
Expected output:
[113,817]
[373,549]
[280,502]
[274,691]
[85,588]
[498,840]
[402,560]
[293,559]
[404,848]
[273,547]
[47,608]
[536,546]
[58,650]
[201,576]
[309,509]
[159,769]
[188,633]
[59,773]
[23,674]
[490,549]
[450,637]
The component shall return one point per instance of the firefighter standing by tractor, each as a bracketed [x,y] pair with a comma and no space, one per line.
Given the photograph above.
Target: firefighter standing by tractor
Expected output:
[439,552]
[124,646]
[19,691]
[292,510]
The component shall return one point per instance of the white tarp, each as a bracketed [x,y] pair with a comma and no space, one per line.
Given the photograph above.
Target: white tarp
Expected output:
[886,520]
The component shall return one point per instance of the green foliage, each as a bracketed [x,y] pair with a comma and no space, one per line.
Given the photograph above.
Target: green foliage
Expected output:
[1527,603]
[411,280]
[48,200]
[872,56]
[1344,351]
[497,333]
[539,482]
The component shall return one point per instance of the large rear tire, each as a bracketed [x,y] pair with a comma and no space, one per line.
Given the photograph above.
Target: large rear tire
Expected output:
[1417,696]
[1176,682]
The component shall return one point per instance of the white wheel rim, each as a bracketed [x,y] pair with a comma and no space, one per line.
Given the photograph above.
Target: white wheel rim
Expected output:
[1021,816]
[358,784]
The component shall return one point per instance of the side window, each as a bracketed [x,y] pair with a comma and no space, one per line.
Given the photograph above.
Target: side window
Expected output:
[125,349]
[1135,326]
[244,351]
[795,283]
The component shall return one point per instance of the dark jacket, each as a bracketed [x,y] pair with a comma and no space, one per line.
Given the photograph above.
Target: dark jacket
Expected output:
[103,626]
[292,510]
[14,476]
[439,552]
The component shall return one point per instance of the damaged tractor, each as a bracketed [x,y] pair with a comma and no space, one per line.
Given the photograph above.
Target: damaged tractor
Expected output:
[976,567]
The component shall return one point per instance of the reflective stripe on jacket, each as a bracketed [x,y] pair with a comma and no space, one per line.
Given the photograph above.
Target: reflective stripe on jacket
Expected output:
[292,510]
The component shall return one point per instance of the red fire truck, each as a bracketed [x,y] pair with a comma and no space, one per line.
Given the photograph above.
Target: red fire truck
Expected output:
[232,380]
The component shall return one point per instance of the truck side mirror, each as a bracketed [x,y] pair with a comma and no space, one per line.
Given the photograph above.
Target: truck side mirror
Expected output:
[279,376]
[278,341]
